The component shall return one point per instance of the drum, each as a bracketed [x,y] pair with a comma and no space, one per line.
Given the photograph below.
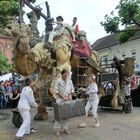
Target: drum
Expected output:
[16,118]
[69,109]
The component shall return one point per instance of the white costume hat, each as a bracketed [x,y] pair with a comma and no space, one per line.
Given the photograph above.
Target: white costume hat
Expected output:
[94,77]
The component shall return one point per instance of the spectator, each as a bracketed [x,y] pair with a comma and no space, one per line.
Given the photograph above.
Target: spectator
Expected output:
[133,82]
[15,98]
[3,95]
[8,94]
[1,99]
[8,87]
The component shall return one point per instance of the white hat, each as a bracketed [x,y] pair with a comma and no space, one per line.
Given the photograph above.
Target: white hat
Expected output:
[94,77]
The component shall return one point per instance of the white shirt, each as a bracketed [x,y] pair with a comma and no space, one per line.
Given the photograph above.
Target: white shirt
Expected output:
[64,88]
[59,27]
[92,90]
[27,98]
[126,89]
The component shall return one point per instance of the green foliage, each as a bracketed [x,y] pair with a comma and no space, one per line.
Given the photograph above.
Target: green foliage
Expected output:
[128,10]
[128,16]
[124,36]
[111,24]
[9,9]
[4,65]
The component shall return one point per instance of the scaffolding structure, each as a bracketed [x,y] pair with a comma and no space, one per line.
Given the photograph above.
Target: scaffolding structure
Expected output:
[81,69]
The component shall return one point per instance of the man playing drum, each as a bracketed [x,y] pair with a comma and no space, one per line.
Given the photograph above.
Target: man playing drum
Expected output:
[63,88]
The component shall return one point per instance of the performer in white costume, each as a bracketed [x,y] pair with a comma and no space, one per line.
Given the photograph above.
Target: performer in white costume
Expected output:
[63,89]
[93,100]
[24,106]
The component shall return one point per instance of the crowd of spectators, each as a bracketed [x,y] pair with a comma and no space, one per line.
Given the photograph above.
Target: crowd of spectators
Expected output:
[9,93]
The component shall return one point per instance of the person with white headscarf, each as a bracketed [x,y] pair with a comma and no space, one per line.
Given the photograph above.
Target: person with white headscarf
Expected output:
[93,100]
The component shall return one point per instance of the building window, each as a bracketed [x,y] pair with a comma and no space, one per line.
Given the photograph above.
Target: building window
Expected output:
[133,54]
[105,60]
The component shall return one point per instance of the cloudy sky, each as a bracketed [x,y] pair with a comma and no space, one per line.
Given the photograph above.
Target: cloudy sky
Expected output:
[89,13]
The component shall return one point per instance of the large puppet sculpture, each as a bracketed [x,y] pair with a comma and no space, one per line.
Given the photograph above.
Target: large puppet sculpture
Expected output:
[117,88]
[27,60]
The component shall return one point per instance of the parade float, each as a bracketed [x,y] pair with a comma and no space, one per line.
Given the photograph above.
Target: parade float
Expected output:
[31,55]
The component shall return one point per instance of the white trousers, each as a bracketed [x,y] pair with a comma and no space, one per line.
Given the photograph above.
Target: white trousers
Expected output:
[54,34]
[93,105]
[61,124]
[25,127]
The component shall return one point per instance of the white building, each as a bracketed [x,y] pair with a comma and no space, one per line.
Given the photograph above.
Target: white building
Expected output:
[108,47]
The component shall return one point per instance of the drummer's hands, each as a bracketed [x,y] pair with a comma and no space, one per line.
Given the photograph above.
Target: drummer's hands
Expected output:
[80,89]
[65,98]
[73,94]
[69,97]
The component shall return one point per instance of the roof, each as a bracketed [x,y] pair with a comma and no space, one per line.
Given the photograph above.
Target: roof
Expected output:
[110,40]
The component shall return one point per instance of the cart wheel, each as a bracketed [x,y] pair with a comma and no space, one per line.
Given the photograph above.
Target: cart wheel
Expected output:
[16,118]
[127,107]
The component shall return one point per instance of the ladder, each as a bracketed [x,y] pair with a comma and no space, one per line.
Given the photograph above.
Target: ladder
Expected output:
[81,77]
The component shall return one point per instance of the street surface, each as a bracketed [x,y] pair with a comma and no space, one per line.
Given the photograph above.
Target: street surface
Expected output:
[115,125]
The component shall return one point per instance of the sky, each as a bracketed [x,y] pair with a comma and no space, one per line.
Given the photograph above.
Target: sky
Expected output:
[89,13]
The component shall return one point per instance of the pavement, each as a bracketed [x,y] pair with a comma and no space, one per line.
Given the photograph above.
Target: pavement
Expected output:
[115,125]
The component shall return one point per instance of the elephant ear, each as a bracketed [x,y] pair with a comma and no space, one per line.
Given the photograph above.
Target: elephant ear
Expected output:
[25,65]
[23,45]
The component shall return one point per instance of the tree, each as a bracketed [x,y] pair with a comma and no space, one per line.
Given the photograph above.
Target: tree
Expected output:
[8,10]
[127,21]
[4,65]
